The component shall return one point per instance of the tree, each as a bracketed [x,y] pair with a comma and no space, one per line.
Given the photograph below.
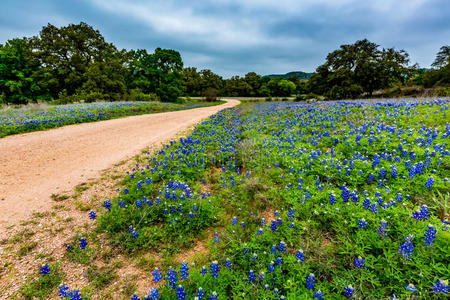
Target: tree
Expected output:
[65,54]
[254,81]
[360,67]
[16,68]
[192,81]
[160,73]
[237,86]
[442,58]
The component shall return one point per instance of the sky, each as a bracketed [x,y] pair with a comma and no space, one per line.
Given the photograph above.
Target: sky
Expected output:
[238,36]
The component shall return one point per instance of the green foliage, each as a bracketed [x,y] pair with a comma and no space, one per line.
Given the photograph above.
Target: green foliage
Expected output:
[17,66]
[360,68]
[42,286]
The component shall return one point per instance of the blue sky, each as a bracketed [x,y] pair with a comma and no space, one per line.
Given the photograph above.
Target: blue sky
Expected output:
[237,36]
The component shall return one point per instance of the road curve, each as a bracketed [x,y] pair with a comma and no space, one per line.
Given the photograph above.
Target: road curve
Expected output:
[35,165]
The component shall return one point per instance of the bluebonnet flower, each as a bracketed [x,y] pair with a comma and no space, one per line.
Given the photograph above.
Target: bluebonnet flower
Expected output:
[181,294]
[410,287]
[383,228]
[282,247]
[75,295]
[441,286]
[430,235]
[263,222]
[134,297]
[214,269]
[172,278]
[200,293]
[92,215]
[362,223]
[310,281]
[157,275]
[213,296]
[291,225]
[107,204]
[429,183]
[271,267]
[243,224]
[382,173]
[261,276]
[422,213]
[228,263]
[121,204]
[359,262]
[234,221]
[300,256]
[273,226]
[260,231]
[406,249]
[349,290]
[291,214]
[394,171]
[318,295]
[138,204]
[184,271]
[45,270]
[63,290]
[69,248]
[83,243]
[332,198]
[216,238]
[279,261]
[251,276]
[273,250]
[203,271]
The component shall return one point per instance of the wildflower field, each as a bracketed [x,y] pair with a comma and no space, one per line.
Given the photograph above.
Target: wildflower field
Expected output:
[13,121]
[328,200]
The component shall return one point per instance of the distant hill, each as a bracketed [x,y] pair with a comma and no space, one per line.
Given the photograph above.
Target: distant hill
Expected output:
[299,74]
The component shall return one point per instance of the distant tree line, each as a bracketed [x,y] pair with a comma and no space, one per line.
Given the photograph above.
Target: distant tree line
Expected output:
[74,62]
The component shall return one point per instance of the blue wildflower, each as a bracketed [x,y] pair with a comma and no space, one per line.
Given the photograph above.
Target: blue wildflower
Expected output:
[214,269]
[172,278]
[383,228]
[410,287]
[184,271]
[349,290]
[83,243]
[251,276]
[200,293]
[45,270]
[216,238]
[362,223]
[282,247]
[441,286]
[318,295]
[157,275]
[203,271]
[430,235]
[92,215]
[214,296]
[429,183]
[310,281]
[107,204]
[406,249]
[181,294]
[300,256]
[228,263]
[359,262]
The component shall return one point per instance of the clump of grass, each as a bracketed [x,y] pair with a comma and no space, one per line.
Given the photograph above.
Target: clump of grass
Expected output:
[43,285]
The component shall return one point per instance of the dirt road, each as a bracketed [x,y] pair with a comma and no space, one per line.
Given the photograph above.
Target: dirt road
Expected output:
[33,166]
